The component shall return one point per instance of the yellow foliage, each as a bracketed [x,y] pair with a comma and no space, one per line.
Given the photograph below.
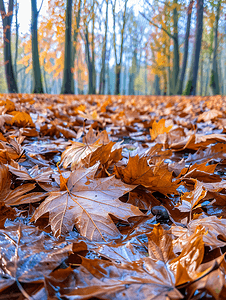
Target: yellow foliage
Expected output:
[159,128]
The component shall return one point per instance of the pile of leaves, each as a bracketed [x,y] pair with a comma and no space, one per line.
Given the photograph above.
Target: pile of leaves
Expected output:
[112,197]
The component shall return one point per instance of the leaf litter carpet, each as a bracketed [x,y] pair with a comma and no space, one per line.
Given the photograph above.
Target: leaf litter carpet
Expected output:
[112,197]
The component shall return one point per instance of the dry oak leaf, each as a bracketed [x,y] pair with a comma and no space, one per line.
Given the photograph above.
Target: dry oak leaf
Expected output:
[75,153]
[86,203]
[159,128]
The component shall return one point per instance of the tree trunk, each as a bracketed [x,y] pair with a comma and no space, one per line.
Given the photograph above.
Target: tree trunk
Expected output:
[118,64]
[68,81]
[93,54]
[102,72]
[38,87]
[176,59]
[191,84]
[76,30]
[185,56]
[7,21]
[201,76]
[214,80]
[156,86]
[89,63]
[17,40]
[133,72]
[117,79]
[146,76]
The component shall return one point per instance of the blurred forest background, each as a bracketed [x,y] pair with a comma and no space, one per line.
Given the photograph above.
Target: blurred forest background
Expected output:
[148,47]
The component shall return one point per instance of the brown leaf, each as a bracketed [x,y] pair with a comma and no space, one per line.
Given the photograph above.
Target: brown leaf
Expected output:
[190,257]
[159,128]
[21,119]
[68,133]
[160,245]
[138,171]
[87,203]
[142,279]
[26,257]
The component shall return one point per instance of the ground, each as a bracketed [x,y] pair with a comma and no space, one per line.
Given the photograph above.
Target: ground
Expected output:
[112,197]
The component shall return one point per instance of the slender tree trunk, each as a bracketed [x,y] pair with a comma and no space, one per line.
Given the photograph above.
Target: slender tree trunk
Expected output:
[156,86]
[176,58]
[38,87]
[201,76]
[146,76]
[118,64]
[207,70]
[191,84]
[108,78]
[89,63]
[93,53]
[7,21]
[45,80]
[68,81]
[185,56]
[133,72]
[102,72]
[214,80]
[17,41]
[76,31]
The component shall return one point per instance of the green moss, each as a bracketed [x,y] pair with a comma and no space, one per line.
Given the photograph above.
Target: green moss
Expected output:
[188,88]
[212,80]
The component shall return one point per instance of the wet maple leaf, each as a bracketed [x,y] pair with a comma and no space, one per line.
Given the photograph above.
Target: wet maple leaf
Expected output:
[9,105]
[191,199]
[209,115]
[157,178]
[26,261]
[105,155]
[160,245]
[190,258]
[68,133]
[159,128]
[21,119]
[5,119]
[11,149]
[41,176]
[213,226]
[87,203]
[141,279]
[75,153]
[211,277]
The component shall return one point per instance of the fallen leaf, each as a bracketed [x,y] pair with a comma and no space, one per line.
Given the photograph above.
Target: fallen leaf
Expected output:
[87,203]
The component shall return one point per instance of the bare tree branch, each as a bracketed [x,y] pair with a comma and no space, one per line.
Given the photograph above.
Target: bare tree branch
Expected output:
[159,27]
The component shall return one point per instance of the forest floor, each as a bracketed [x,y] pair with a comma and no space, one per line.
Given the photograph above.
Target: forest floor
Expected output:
[112,197]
